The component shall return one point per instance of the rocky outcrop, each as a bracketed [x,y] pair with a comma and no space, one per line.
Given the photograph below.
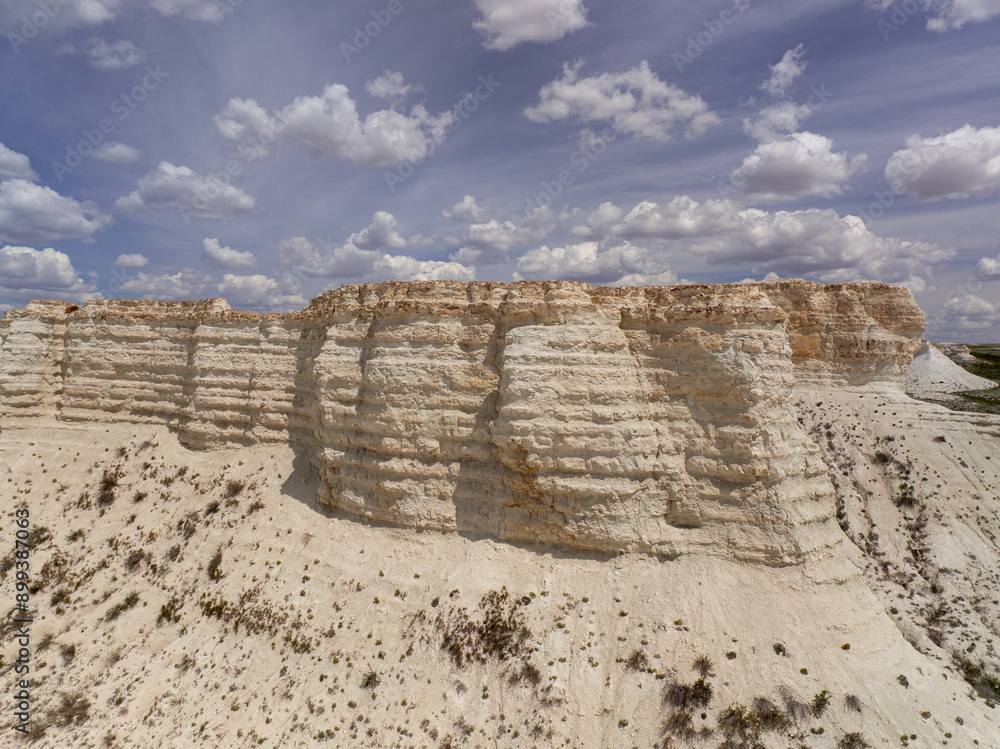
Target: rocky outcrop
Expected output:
[653,419]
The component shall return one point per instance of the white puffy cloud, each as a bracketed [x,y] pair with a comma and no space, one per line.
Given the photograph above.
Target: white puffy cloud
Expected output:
[489,241]
[636,101]
[389,86]
[681,217]
[135,260]
[960,164]
[259,292]
[797,166]
[329,124]
[170,284]
[35,214]
[507,23]
[988,268]
[810,242]
[107,56]
[27,273]
[970,312]
[379,234]
[117,153]
[14,165]
[467,211]
[822,243]
[788,164]
[615,265]
[299,255]
[226,257]
[179,187]
[771,123]
[784,73]
[404,268]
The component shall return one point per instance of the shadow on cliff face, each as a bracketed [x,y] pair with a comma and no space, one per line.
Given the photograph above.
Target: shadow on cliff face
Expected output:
[303,482]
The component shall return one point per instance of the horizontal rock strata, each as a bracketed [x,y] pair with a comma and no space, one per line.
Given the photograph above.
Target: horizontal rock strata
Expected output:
[651,419]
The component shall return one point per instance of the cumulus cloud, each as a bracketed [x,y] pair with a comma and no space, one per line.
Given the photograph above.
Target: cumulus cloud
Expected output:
[811,242]
[467,211]
[488,242]
[988,268]
[785,72]
[117,153]
[388,86]
[970,312]
[34,214]
[788,164]
[259,292]
[681,217]
[404,268]
[636,101]
[507,23]
[379,234]
[14,165]
[961,164]
[330,124]
[621,264]
[27,273]
[169,284]
[179,187]
[135,260]
[797,166]
[109,56]
[226,257]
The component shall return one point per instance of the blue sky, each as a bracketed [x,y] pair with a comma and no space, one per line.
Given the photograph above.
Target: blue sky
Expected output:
[266,152]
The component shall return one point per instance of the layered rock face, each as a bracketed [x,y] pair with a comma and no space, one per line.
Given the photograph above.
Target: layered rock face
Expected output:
[651,419]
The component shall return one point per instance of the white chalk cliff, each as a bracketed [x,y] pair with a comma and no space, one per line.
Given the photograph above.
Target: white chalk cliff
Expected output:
[628,419]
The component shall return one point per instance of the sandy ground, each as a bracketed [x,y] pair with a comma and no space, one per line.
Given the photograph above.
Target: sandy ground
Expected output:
[314,630]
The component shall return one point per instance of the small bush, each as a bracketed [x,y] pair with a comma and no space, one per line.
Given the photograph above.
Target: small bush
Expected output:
[68,653]
[106,492]
[779,649]
[214,573]
[131,600]
[851,702]
[254,506]
[233,487]
[820,702]
[77,535]
[62,595]
[703,665]
[73,710]
[133,560]
[853,740]
[371,680]
[637,661]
